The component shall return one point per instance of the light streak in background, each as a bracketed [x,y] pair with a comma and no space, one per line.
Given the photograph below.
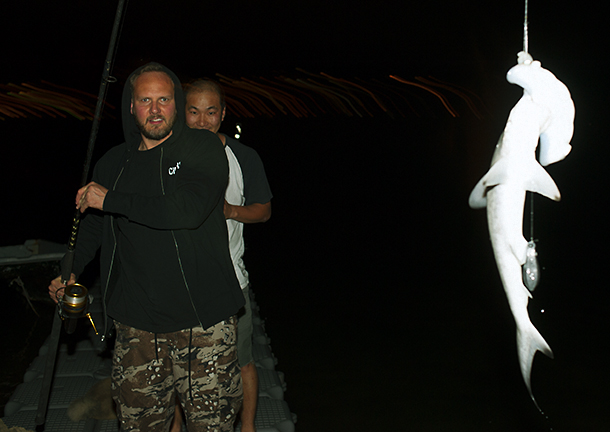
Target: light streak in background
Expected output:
[455,90]
[434,92]
[357,86]
[26,100]
[302,95]
[322,94]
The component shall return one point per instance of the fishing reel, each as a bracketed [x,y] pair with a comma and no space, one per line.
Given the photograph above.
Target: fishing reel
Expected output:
[74,304]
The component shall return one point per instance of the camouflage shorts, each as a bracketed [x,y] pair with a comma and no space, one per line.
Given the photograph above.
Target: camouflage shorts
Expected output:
[200,365]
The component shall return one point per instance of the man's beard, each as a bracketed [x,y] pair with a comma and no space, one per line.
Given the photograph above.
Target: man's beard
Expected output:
[156,133]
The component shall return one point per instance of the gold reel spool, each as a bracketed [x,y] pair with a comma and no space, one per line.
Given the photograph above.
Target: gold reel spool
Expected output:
[75,300]
[74,305]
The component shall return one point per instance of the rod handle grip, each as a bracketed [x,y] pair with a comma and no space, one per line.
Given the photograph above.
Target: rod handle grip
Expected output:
[66,266]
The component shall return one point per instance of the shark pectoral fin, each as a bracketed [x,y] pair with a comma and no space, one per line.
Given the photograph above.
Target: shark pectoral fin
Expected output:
[478,196]
[542,183]
[497,174]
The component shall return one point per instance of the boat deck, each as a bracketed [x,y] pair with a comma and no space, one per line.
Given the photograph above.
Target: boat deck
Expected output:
[83,360]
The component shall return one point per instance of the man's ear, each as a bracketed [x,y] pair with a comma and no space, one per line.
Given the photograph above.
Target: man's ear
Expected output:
[131,107]
[224,111]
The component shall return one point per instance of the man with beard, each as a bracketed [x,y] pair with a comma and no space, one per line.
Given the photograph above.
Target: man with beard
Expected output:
[168,284]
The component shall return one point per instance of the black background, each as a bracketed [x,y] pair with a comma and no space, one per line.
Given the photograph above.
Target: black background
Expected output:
[376,280]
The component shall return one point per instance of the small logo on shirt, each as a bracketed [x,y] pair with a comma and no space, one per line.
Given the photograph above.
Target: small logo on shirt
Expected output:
[172,170]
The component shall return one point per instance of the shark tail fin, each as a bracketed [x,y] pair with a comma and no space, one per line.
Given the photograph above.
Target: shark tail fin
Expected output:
[529,341]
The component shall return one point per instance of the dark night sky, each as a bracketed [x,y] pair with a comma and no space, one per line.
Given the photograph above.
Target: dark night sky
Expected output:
[69,39]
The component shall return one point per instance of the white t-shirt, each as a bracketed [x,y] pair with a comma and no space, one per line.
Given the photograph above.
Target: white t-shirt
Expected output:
[235,196]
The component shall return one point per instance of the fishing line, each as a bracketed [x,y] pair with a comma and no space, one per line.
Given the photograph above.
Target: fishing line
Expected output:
[525,50]
[531,270]
[525,35]
[531,216]
[531,273]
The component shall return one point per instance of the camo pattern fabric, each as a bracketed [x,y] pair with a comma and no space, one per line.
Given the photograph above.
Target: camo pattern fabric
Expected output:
[147,368]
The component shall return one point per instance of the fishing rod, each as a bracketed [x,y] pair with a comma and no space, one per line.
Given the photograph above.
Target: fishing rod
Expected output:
[73,305]
[74,302]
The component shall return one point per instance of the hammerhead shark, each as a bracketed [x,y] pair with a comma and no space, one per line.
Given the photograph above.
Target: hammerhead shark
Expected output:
[545,114]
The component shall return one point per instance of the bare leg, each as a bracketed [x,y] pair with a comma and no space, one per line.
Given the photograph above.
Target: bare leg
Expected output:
[249,378]
[177,422]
